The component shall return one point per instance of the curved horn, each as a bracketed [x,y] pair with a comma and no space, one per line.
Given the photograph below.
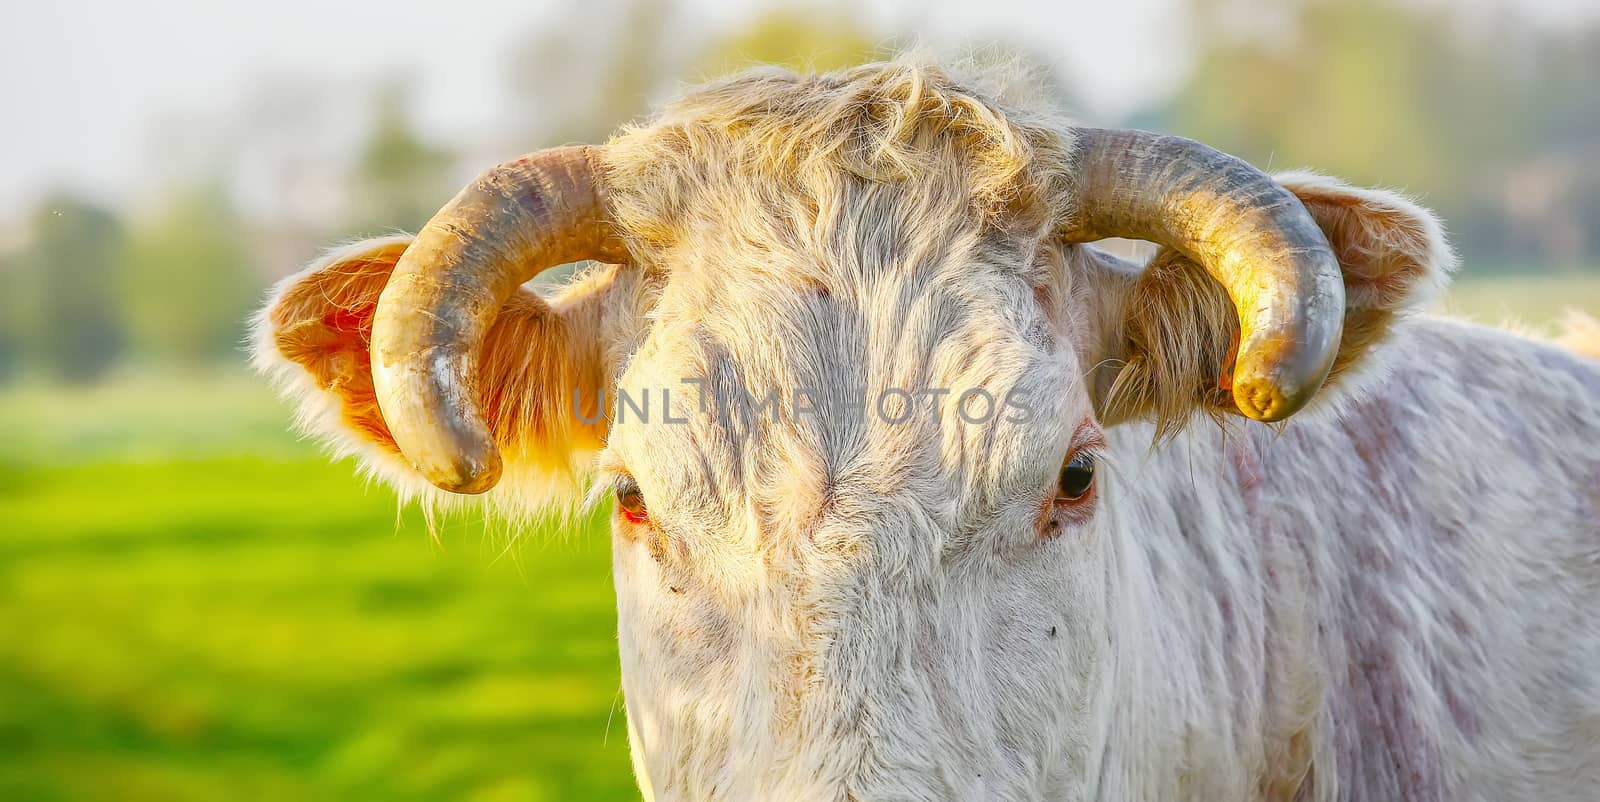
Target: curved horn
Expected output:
[1246,231]
[514,220]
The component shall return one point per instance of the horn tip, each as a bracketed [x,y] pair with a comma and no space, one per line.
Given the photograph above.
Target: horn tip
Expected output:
[465,474]
[1265,400]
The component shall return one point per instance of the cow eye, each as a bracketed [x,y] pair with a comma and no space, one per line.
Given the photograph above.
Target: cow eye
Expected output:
[1077,478]
[630,499]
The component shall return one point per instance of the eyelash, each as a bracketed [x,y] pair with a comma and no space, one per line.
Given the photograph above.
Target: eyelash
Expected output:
[633,508]
[1072,511]
[1085,460]
[631,504]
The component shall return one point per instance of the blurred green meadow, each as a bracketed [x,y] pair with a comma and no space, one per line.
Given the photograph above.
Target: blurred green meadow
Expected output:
[1533,304]
[195,605]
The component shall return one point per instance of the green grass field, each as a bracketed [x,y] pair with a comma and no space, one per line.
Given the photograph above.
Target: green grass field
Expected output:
[1532,304]
[196,606]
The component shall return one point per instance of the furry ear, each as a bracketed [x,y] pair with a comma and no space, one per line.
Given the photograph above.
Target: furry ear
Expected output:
[312,338]
[1175,329]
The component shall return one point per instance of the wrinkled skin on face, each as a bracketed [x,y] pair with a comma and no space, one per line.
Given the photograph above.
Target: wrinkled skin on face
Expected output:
[842,574]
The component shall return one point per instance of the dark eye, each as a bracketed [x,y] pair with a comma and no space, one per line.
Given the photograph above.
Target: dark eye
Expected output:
[630,500]
[1077,478]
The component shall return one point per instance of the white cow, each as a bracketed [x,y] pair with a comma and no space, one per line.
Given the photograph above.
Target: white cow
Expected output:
[843,574]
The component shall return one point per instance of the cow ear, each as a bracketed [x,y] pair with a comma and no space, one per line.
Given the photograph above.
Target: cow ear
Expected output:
[312,338]
[1168,332]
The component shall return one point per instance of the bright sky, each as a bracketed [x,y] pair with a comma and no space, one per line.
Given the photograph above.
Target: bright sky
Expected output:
[92,87]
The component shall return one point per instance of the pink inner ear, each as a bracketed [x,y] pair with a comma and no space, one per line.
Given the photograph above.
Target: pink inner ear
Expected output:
[1390,249]
[323,322]
[1383,254]
[357,320]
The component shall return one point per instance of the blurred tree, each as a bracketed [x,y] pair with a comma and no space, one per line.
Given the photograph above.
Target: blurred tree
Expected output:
[808,40]
[10,312]
[400,179]
[596,66]
[1552,197]
[1398,94]
[601,64]
[187,282]
[1350,90]
[67,320]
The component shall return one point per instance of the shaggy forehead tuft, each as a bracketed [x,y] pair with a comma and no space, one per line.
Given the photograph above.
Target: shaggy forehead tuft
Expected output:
[863,230]
[783,160]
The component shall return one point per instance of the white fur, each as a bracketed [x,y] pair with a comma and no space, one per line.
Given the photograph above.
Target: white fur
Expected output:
[1390,599]
[1249,615]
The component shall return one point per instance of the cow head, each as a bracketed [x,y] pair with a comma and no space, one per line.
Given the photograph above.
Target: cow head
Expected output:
[846,367]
